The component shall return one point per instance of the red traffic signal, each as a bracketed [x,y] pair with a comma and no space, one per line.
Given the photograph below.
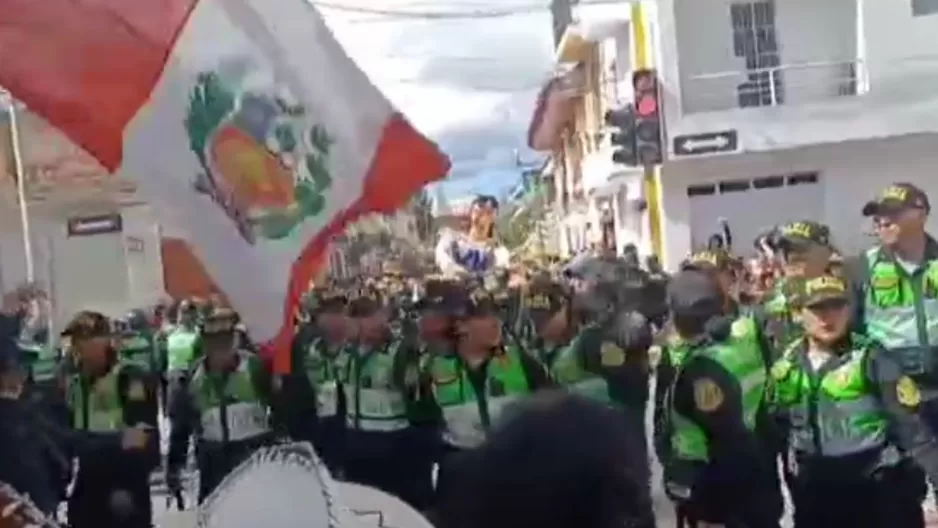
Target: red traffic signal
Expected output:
[648,117]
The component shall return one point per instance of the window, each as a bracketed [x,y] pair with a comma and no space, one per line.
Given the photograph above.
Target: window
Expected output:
[755,41]
[924,7]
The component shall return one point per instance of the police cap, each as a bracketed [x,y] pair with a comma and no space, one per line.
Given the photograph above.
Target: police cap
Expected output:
[365,302]
[825,290]
[87,324]
[220,322]
[710,260]
[692,293]
[545,294]
[804,233]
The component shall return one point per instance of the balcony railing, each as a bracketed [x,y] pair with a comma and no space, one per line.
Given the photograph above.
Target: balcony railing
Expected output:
[784,85]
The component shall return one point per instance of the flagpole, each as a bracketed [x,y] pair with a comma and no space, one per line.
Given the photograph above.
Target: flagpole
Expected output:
[21,190]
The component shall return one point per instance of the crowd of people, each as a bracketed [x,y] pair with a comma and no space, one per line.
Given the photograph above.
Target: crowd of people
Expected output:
[496,397]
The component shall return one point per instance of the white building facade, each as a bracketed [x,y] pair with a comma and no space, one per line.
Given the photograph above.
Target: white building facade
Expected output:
[829,102]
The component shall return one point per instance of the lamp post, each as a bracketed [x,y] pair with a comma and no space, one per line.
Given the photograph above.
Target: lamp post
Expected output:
[7,101]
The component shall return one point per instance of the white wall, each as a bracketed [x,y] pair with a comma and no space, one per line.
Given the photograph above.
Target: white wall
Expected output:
[112,273]
[851,174]
[897,57]
[807,32]
[901,50]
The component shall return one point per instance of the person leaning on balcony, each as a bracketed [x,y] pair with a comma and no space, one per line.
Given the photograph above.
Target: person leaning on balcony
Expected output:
[896,289]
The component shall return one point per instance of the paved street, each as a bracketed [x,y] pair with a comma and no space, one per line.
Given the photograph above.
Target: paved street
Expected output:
[165,515]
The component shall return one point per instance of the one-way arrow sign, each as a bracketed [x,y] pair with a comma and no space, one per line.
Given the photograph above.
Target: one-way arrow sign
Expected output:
[708,143]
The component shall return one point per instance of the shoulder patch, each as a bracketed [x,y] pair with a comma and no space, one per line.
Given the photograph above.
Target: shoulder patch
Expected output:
[741,327]
[907,392]
[136,391]
[611,355]
[708,396]
[780,369]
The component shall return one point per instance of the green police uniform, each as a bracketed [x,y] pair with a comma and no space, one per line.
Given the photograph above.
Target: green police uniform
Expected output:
[230,410]
[98,407]
[901,309]
[741,356]
[568,368]
[181,348]
[374,400]
[835,413]
[467,414]
[783,318]
[783,308]
[323,372]
[138,348]
[43,362]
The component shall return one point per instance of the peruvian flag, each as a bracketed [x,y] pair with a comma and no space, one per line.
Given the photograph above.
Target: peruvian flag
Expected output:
[242,121]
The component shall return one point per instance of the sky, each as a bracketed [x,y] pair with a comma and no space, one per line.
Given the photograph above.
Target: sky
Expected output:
[469,84]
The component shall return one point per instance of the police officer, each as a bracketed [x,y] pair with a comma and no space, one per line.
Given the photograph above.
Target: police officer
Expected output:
[33,450]
[183,346]
[850,413]
[896,287]
[716,471]
[378,435]
[137,344]
[435,311]
[472,385]
[225,405]
[805,250]
[112,487]
[312,392]
[182,343]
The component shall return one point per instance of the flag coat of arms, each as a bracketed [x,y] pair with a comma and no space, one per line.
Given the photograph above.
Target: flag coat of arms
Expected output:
[243,122]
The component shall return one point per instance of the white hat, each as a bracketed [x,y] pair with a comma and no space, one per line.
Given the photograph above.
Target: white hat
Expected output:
[287,486]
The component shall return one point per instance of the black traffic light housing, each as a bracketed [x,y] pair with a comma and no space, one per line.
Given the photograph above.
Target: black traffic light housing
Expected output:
[648,144]
[623,139]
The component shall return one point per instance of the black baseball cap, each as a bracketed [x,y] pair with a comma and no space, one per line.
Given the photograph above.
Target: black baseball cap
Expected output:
[545,295]
[694,293]
[896,198]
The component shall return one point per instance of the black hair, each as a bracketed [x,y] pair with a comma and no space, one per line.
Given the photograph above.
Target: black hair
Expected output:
[483,199]
[715,242]
[555,460]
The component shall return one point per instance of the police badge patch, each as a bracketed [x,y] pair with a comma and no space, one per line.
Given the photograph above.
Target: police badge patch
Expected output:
[907,392]
[611,355]
[137,392]
[708,396]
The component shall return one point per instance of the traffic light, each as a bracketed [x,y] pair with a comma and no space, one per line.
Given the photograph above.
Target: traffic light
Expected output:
[623,139]
[648,147]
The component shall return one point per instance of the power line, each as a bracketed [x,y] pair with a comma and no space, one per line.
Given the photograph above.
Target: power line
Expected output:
[432,15]
[476,14]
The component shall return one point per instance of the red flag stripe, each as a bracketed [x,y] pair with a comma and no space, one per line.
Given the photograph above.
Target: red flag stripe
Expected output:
[403,163]
[88,66]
